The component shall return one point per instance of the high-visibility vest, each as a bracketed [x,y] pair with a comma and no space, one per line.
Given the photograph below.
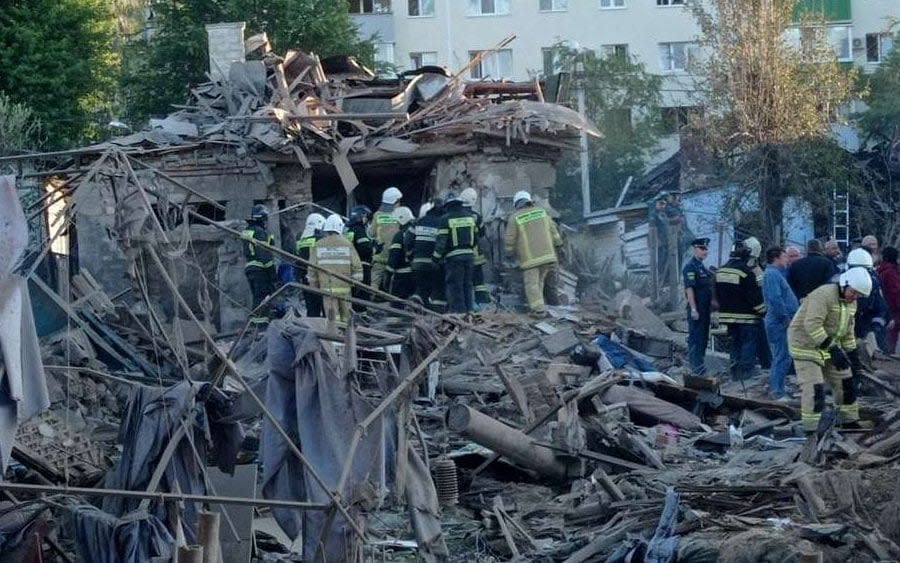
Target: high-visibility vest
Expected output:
[255,255]
[384,227]
[531,234]
[822,315]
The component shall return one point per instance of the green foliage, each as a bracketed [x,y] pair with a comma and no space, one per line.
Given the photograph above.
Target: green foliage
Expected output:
[882,120]
[19,129]
[57,57]
[159,71]
[622,99]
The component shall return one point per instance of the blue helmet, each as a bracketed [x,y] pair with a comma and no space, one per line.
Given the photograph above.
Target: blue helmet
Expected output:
[359,212]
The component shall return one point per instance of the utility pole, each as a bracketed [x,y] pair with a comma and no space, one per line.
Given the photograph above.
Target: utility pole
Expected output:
[585,157]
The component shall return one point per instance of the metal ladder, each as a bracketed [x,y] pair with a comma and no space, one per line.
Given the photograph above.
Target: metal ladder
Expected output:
[840,229]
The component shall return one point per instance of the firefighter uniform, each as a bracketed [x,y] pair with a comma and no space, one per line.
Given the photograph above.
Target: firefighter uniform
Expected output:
[356,233]
[259,267]
[482,291]
[399,274]
[741,307]
[821,329]
[455,245]
[429,274]
[335,254]
[313,301]
[383,228]
[533,237]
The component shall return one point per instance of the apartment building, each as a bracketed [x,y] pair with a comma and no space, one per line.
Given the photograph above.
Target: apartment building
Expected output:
[659,33]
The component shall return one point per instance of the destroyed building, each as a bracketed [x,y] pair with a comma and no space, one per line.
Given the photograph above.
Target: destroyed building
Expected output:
[143,419]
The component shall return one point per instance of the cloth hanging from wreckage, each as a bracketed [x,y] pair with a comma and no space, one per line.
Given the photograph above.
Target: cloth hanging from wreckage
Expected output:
[320,410]
[153,417]
[102,538]
[23,388]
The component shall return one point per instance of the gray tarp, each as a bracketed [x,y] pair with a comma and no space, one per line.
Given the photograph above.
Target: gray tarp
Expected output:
[103,538]
[319,408]
[23,389]
[154,416]
[319,411]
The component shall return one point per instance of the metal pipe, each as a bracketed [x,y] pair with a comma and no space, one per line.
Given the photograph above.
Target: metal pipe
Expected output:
[64,490]
[505,440]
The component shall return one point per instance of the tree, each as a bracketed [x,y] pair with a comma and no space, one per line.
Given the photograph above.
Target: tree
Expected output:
[57,57]
[159,71]
[623,99]
[19,129]
[768,99]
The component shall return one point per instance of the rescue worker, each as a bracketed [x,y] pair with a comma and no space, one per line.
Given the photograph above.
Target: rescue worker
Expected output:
[872,312]
[741,307]
[311,233]
[357,234]
[259,266]
[382,231]
[482,292]
[533,238]
[698,286]
[428,273]
[823,346]
[762,344]
[399,279]
[455,247]
[335,254]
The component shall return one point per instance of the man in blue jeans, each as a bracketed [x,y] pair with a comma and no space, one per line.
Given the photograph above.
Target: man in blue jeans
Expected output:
[781,306]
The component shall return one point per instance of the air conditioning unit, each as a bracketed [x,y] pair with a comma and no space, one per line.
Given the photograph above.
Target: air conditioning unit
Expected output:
[857,43]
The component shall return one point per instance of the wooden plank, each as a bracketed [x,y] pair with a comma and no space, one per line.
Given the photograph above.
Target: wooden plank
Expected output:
[517,392]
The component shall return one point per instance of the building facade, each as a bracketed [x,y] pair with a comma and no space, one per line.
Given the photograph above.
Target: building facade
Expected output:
[659,33]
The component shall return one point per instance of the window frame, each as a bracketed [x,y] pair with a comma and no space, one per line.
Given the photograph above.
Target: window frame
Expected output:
[879,37]
[393,49]
[481,74]
[848,43]
[481,14]
[374,12]
[689,47]
[671,3]
[420,15]
[612,5]
[609,50]
[552,8]
[421,55]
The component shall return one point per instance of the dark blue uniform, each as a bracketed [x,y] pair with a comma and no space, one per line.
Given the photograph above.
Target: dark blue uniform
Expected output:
[698,277]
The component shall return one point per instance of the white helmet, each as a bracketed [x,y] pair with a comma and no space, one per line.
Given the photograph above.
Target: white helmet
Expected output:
[334,224]
[425,208]
[859,279]
[521,195]
[403,215]
[391,195]
[860,257]
[468,197]
[754,246]
[315,221]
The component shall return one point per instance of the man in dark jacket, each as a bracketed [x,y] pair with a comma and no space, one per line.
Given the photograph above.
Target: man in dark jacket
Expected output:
[455,246]
[808,273]
[399,279]
[428,274]
[259,263]
[741,307]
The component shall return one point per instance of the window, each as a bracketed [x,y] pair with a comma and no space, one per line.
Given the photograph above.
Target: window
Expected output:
[384,53]
[496,65]
[676,118]
[878,46]
[676,56]
[551,60]
[840,39]
[670,2]
[425,58]
[554,5]
[488,7]
[611,4]
[370,6]
[619,50]
[421,8]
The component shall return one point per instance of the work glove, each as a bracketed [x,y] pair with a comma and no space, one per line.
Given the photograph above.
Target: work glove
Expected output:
[856,365]
[839,358]
[826,344]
